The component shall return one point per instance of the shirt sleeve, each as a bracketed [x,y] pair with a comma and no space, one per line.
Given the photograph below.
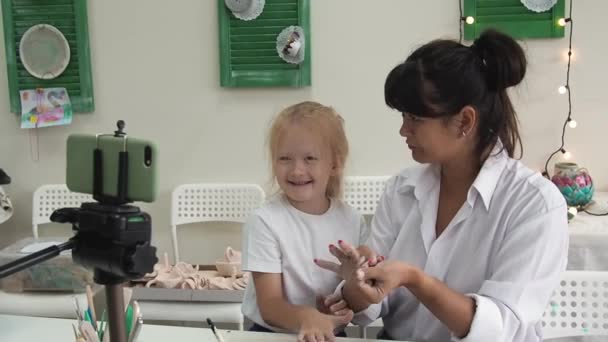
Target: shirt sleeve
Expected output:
[522,277]
[369,315]
[261,249]
[372,313]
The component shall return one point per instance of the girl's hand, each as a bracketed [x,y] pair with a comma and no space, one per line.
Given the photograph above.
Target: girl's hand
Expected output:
[319,327]
[385,277]
[332,304]
[372,258]
[351,260]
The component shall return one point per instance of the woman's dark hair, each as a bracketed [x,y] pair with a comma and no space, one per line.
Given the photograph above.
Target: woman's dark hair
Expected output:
[443,76]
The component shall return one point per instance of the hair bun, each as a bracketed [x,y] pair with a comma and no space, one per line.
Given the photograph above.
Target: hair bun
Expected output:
[503,58]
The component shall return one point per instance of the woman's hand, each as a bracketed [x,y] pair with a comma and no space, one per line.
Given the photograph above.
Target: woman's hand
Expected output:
[385,277]
[319,327]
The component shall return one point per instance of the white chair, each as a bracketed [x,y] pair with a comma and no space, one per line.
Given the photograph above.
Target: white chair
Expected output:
[50,197]
[363,192]
[212,202]
[46,199]
[578,307]
[196,203]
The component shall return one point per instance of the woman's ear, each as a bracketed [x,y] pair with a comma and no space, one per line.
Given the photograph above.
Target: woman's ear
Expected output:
[468,120]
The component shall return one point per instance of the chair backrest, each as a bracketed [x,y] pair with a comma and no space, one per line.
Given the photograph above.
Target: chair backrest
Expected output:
[363,192]
[50,197]
[579,306]
[212,202]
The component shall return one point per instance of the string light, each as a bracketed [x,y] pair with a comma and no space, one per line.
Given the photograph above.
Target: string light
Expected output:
[565,89]
[562,90]
[569,120]
[564,21]
[570,54]
[462,19]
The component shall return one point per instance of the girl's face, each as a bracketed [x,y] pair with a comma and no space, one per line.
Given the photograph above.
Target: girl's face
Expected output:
[431,140]
[303,166]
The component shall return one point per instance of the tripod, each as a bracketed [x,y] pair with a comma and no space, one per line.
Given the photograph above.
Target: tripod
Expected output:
[111,237]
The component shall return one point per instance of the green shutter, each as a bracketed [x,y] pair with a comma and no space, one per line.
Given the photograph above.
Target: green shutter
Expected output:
[248,56]
[513,18]
[69,17]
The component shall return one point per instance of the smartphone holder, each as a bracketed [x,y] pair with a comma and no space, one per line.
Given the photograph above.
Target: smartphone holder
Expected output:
[111,237]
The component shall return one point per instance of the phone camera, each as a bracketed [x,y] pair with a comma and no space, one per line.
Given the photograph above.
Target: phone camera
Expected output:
[148,156]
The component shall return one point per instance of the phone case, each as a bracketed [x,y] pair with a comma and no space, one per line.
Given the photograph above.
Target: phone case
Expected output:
[143,157]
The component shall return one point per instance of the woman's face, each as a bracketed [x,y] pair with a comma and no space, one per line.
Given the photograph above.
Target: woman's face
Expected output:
[431,140]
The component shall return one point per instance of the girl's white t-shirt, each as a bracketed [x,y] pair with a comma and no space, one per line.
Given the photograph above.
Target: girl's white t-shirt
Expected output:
[279,238]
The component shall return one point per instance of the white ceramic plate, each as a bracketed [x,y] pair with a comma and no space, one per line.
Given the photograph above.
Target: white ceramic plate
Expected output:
[44,51]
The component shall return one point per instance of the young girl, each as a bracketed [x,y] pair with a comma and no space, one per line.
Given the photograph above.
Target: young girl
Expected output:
[308,150]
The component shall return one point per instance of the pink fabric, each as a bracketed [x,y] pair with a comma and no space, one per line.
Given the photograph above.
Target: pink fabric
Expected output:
[186,276]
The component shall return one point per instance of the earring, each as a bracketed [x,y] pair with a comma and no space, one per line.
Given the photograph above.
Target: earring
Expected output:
[464,134]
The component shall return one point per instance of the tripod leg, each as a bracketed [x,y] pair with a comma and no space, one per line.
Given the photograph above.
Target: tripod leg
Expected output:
[116,313]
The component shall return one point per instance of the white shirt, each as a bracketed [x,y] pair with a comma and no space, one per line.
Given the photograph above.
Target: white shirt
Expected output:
[506,247]
[279,238]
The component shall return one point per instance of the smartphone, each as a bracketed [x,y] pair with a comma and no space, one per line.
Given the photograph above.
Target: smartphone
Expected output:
[142,174]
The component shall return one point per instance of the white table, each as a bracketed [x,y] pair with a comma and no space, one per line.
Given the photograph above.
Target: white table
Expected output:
[23,328]
[588,251]
[589,238]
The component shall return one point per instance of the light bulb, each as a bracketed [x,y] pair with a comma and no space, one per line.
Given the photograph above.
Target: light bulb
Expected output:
[561,22]
[567,155]
[562,89]
[469,20]
[572,123]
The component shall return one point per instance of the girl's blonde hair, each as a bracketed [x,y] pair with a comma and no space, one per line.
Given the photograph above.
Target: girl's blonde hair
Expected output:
[322,120]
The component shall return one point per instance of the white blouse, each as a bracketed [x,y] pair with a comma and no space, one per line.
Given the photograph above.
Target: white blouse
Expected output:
[506,247]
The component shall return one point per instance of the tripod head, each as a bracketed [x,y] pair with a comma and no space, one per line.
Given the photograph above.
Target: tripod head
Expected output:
[112,240]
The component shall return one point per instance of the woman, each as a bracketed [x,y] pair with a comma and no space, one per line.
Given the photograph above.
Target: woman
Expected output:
[475,241]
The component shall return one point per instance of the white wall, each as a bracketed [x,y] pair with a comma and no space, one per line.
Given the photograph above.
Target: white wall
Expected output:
[155,65]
